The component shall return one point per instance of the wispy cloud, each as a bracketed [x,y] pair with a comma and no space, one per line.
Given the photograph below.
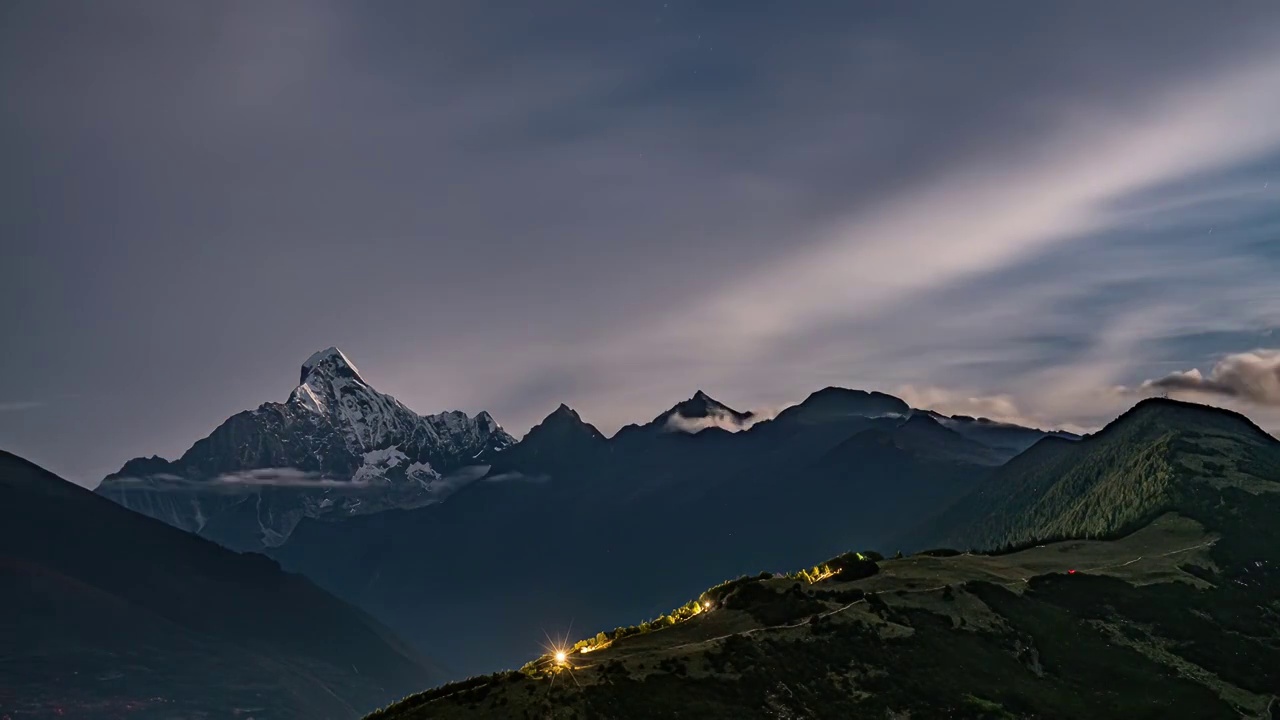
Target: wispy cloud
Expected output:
[995,219]
[1096,234]
[1001,408]
[517,477]
[16,405]
[238,482]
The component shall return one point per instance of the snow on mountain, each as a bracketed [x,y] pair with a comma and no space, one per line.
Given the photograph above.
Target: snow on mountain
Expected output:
[355,449]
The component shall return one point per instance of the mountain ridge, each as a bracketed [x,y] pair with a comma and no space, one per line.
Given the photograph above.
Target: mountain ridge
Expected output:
[1163,610]
[339,448]
[1146,461]
[685,508]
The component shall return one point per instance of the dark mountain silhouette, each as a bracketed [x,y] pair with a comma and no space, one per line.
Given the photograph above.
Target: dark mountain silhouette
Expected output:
[561,442]
[571,521]
[1002,436]
[834,403]
[107,613]
[1143,584]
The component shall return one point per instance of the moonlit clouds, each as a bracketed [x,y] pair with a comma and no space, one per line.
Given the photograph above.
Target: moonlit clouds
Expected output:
[1252,376]
[1010,208]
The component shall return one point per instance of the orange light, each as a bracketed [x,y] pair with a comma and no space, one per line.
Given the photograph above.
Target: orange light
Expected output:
[561,657]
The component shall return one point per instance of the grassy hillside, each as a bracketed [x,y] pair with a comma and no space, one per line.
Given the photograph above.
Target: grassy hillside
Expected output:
[964,636]
[107,613]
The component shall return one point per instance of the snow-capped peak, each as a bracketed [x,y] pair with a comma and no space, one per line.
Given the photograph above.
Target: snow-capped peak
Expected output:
[330,361]
[334,427]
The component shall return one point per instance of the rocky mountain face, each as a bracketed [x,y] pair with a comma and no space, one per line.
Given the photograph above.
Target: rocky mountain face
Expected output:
[336,447]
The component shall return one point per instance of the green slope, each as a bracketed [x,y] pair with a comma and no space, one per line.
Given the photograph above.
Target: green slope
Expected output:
[1161,455]
[1130,634]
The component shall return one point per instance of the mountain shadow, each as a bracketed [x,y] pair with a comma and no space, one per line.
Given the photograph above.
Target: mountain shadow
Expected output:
[107,613]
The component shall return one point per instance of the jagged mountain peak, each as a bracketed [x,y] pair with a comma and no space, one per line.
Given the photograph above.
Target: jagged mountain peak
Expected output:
[333,428]
[330,362]
[486,422]
[702,405]
[562,421]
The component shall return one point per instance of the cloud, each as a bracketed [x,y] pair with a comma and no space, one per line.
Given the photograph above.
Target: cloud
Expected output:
[465,474]
[281,477]
[1037,242]
[720,419]
[237,482]
[16,405]
[1252,376]
[961,215]
[517,477]
[1002,408]
[996,212]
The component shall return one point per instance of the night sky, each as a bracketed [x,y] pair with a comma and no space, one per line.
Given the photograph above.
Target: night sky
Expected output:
[1024,210]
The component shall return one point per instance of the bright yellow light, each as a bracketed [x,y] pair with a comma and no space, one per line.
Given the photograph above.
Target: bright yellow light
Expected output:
[706,605]
[561,656]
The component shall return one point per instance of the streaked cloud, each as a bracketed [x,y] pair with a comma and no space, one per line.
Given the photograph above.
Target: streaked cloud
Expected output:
[1010,208]
[18,405]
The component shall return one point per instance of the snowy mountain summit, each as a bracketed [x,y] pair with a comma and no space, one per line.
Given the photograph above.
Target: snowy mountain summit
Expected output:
[336,445]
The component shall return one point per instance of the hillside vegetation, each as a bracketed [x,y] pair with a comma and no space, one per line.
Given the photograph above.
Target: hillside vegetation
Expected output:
[964,636]
[1161,455]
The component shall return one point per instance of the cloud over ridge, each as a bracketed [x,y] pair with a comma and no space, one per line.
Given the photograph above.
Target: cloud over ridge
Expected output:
[1252,376]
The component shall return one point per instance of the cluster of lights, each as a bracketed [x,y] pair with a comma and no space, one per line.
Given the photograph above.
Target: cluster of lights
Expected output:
[559,653]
